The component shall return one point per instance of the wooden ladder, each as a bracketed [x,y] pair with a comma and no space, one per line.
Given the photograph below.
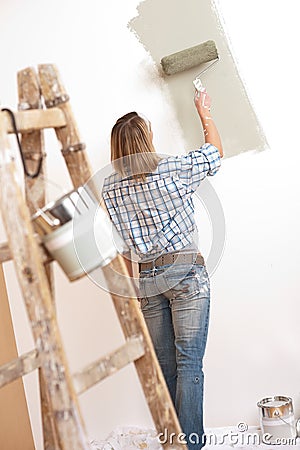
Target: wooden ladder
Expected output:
[44,103]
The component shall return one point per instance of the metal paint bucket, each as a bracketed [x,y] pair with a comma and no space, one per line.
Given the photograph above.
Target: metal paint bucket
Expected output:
[277,418]
[77,233]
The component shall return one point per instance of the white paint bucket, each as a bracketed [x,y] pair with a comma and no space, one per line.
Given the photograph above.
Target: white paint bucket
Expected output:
[277,419]
[78,233]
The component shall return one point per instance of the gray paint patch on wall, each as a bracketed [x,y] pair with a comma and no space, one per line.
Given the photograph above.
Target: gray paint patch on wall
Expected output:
[168,26]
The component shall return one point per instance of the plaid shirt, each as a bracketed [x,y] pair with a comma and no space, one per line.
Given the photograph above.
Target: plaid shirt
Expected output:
[157,215]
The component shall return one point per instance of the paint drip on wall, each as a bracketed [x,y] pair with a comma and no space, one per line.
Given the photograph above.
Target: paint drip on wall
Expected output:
[168,26]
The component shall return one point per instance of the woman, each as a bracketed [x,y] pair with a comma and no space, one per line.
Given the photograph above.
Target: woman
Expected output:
[149,199]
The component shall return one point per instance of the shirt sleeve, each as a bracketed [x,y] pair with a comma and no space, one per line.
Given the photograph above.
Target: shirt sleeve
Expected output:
[198,164]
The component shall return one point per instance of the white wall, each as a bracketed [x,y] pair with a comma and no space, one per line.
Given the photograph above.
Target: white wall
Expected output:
[253,339]
[255,327]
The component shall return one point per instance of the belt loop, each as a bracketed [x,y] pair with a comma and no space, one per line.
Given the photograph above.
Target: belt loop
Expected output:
[154,270]
[153,267]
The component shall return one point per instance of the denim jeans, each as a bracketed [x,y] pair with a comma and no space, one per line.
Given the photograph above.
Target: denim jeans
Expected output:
[175,301]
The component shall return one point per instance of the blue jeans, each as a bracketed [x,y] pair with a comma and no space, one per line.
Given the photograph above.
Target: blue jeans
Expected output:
[175,302]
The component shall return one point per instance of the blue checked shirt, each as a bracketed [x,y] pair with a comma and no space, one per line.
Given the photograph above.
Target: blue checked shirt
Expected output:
[157,215]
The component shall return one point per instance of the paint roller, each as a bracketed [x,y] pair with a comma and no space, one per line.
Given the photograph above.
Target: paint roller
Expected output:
[206,52]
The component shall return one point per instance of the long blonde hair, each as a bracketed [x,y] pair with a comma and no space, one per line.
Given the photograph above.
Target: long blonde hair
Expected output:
[132,150]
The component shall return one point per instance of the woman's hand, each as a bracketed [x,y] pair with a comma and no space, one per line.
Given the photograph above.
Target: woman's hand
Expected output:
[202,102]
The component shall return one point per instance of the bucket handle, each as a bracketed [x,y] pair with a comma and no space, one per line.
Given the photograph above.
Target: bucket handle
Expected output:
[55,222]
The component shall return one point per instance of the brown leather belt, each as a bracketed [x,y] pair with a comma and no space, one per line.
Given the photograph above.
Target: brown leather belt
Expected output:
[173,258]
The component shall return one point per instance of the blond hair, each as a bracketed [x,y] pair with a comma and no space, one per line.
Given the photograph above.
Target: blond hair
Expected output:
[132,151]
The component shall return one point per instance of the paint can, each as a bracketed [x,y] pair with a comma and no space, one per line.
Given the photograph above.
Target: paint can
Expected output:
[77,233]
[277,419]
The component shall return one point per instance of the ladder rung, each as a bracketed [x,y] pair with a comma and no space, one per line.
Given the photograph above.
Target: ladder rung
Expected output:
[5,253]
[107,365]
[36,119]
[86,378]
[19,367]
